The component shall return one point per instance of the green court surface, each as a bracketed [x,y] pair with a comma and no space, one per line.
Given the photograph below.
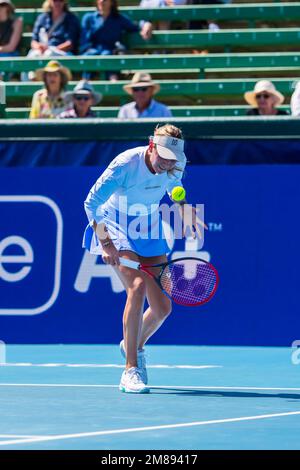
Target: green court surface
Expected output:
[67,397]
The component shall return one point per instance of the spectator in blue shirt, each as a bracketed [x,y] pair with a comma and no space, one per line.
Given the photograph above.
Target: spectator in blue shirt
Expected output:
[56,31]
[102,30]
[142,89]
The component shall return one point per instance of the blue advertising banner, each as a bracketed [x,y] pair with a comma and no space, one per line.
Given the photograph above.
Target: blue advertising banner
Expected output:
[52,291]
[206,151]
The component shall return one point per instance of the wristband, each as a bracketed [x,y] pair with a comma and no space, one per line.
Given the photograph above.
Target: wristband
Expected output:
[107,243]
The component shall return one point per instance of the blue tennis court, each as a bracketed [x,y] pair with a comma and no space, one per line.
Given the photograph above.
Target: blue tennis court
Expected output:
[67,397]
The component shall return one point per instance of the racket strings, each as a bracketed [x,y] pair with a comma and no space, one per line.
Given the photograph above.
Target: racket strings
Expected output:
[189,283]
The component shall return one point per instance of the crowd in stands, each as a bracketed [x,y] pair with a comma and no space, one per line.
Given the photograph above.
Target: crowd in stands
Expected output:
[58,32]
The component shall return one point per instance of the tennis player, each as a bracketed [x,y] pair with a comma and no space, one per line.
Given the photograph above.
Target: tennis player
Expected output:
[141,174]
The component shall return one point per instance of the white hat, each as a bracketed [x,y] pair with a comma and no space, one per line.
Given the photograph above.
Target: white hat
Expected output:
[9,4]
[261,86]
[170,148]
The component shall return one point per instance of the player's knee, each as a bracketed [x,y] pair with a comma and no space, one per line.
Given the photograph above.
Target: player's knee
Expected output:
[165,309]
[138,288]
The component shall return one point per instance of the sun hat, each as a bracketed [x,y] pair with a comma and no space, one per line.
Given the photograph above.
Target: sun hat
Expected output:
[261,86]
[169,148]
[141,79]
[83,88]
[8,3]
[54,66]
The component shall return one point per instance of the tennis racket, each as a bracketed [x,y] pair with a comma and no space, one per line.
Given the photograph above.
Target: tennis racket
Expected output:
[187,281]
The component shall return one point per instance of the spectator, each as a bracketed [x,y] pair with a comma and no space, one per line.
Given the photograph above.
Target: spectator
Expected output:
[102,30]
[49,102]
[264,99]
[204,24]
[295,101]
[161,3]
[162,25]
[83,97]
[142,88]
[56,32]
[10,29]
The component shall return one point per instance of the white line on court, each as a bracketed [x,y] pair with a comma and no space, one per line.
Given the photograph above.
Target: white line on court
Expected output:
[109,366]
[146,428]
[57,385]
[171,387]
[21,436]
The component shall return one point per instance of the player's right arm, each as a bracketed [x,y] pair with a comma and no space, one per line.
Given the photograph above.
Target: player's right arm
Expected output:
[110,254]
[112,178]
[108,183]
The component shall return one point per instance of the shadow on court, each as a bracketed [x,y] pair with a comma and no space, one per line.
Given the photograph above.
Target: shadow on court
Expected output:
[222,393]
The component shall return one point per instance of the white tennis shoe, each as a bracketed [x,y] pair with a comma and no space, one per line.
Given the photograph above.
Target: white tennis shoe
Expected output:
[131,381]
[141,361]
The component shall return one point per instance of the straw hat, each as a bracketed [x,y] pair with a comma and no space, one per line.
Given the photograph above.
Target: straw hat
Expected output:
[54,66]
[263,86]
[83,88]
[9,4]
[141,79]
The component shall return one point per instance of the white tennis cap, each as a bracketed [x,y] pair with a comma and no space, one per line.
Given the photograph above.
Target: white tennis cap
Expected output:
[170,148]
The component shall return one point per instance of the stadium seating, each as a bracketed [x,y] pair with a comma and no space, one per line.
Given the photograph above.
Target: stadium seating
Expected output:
[229,12]
[177,111]
[162,62]
[169,88]
[223,39]
[226,56]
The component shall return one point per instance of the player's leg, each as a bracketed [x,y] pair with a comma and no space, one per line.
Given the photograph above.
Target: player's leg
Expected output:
[160,305]
[134,283]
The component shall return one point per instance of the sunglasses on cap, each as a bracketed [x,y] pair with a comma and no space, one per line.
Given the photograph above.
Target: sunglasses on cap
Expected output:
[140,88]
[262,95]
[82,97]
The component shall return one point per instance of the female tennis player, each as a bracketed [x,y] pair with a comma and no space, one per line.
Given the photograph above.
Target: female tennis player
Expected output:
[142,174]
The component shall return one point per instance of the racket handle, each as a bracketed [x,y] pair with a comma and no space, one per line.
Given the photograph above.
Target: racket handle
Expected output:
[129,263]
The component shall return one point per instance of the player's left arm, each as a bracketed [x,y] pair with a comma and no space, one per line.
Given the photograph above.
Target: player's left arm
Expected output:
[191,221]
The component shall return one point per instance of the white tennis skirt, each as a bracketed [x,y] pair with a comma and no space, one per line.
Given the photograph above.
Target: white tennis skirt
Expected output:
[144,235]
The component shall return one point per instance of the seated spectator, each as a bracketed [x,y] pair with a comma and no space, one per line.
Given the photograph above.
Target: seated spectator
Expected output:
[102,30]
[142,89]
[161,3]
[83,97]
[295,101]
[264,99]
[49,102]
[56,32]
[10,29]
[162,25]
[204,24]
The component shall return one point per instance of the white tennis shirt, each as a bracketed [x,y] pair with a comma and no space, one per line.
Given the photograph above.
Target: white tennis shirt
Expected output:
[127,185]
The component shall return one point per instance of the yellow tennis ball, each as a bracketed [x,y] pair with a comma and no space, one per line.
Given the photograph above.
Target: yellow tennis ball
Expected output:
[178,193]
